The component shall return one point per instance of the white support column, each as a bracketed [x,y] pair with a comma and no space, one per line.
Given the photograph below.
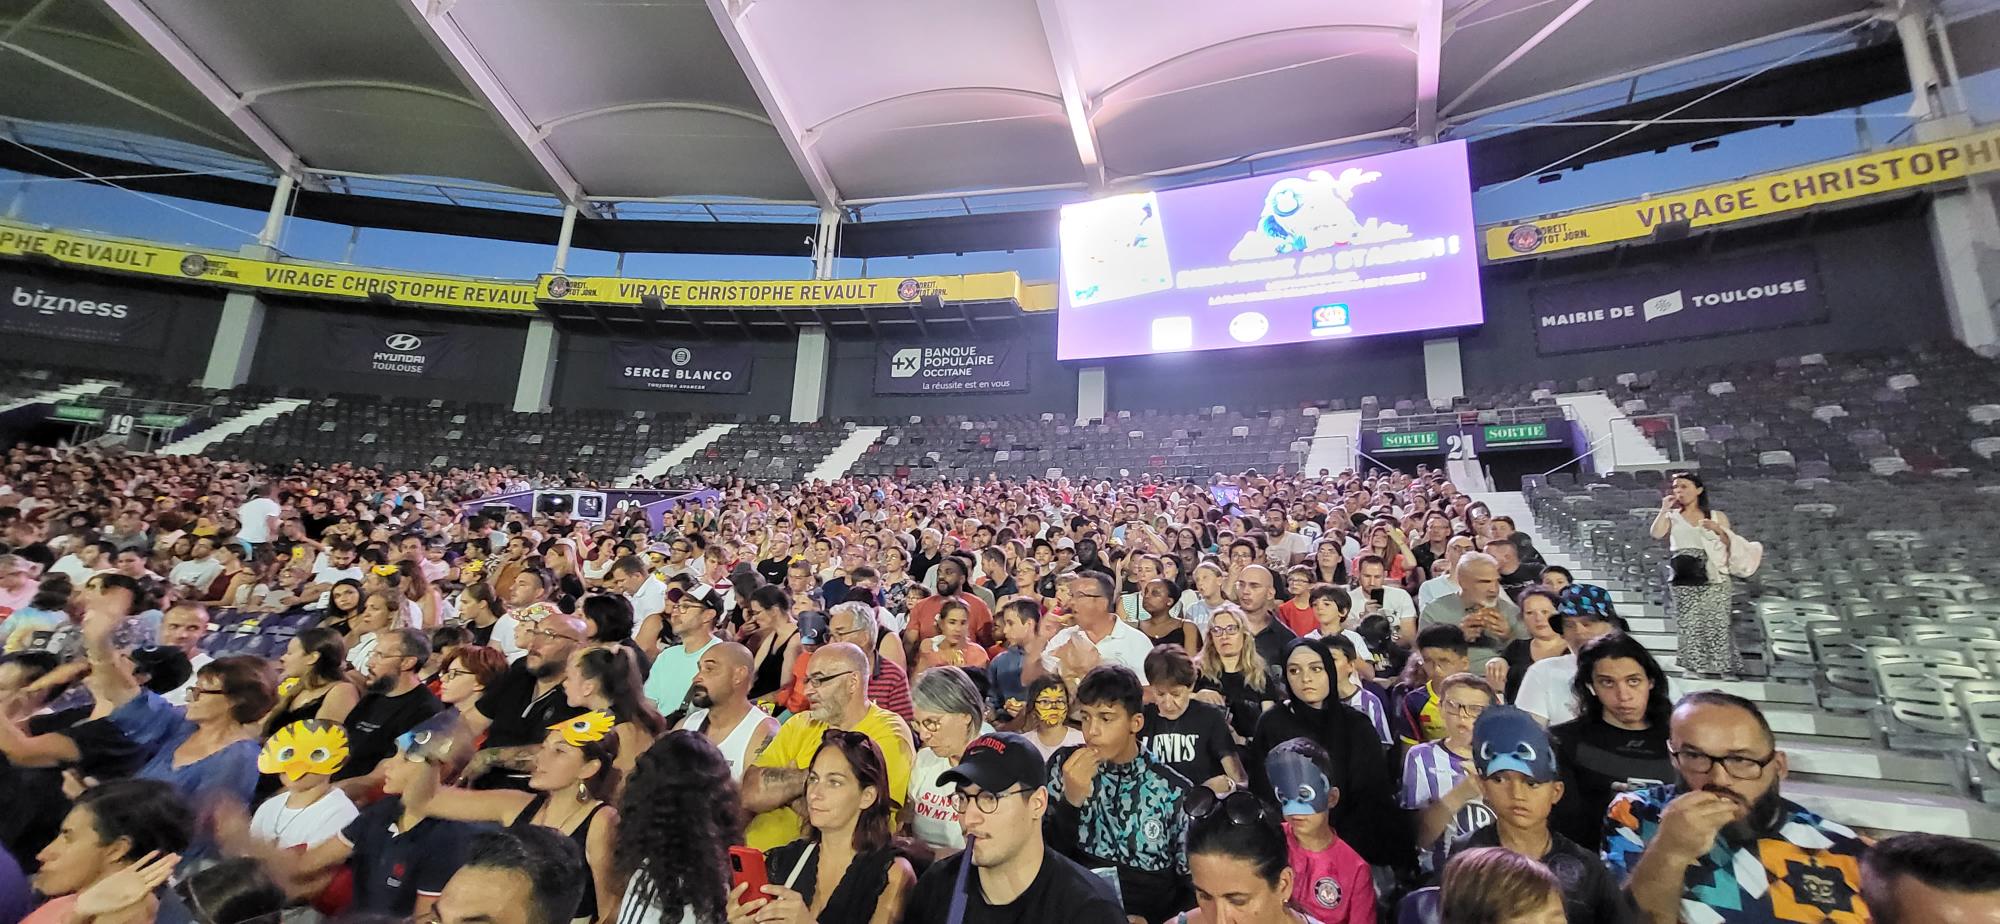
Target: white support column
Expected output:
[536,380]
[234,349]
[809,375]
[1444,375]
[1965,232]
[826,243]
[1090,393]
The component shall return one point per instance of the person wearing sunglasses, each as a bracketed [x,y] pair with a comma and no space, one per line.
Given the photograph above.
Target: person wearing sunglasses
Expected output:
[1694,841]
[837,689]
[1114,805]
[1239,862]
[1008,873]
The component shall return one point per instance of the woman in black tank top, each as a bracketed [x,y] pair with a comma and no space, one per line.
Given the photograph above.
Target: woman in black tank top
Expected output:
[573,779]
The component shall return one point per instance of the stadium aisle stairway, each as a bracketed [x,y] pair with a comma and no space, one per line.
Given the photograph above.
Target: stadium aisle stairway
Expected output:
[1839,768]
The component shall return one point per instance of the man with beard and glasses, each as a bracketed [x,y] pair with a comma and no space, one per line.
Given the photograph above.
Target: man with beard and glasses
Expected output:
[1723,846]
[692,619]
[720,695]
[837,688]
[395,703]
[516,711]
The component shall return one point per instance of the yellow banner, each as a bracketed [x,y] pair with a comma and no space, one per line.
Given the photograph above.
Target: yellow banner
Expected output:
[780,293]
[17,240]
[1752,197]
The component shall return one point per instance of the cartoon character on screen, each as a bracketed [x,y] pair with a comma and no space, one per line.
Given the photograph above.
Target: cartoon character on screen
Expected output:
[1305,214]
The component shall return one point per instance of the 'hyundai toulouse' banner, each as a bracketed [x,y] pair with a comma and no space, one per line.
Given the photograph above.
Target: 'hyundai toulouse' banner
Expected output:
[384,349]
[1724,297]
[691,366]
[40,306]
[951,367]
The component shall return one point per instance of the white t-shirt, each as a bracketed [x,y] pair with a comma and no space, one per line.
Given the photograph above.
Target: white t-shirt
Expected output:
[650,598]
[1125,645]
[1288,548]
[1360,645]
[287,828]
[197,573]
[253,516]
[931,815]
[1429,591]
[1546,694]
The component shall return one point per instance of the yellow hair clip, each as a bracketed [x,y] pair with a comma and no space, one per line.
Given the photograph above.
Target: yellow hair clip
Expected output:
[582,730]
[386,570]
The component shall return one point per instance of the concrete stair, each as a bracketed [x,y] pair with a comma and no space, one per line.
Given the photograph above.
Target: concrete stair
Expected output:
[1839,767]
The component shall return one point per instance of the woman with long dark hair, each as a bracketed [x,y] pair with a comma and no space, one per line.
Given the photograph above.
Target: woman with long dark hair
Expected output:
[680,812]
[574,780]
[343,606]
[1618,738]
[846,868]
[314,684]
[607,680]
[1700,538]
[1366,815]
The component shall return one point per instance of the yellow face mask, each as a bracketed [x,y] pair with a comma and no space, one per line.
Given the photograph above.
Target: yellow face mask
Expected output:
[1052,709]
[309,746]
[584,729]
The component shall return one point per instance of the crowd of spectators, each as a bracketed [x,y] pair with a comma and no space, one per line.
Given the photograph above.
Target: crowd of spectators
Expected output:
[1261,698]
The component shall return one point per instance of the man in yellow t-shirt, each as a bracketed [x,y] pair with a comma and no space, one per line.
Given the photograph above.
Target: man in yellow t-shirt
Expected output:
[837,688]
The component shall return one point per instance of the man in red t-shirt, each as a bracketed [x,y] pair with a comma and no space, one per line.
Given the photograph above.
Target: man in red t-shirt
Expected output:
[950,585]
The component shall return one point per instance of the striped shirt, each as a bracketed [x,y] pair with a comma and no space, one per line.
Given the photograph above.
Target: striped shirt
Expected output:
[1429,771]
[1367,704]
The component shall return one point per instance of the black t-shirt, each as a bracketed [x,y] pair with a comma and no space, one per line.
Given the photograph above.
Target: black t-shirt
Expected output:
[1194,744]
[773,570]
[1513,582]
[1598,761]
[1245,704]
[520,716]
[315,526]
[1590,895]
[392,867]
[1062,891]
[375,723]
[1272,640]
[481,635]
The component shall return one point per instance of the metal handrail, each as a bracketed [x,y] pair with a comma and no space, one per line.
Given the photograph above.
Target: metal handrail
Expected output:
[1469,416]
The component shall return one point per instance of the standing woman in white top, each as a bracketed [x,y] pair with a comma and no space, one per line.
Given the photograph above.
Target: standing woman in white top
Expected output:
[680,812]
[1699,536]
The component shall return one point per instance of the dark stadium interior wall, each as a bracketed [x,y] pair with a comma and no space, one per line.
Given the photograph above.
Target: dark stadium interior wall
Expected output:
[181,356]
[1260,378]
[583,381]
[850,386]
[1876,268]
[292,351]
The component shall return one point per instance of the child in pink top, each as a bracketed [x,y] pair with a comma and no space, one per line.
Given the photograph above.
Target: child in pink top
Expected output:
[1330,882]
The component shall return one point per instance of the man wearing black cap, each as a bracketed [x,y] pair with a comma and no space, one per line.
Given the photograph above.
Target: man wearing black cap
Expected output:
[1011,875]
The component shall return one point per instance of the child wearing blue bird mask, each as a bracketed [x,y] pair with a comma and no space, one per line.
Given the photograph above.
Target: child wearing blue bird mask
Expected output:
[1330,882]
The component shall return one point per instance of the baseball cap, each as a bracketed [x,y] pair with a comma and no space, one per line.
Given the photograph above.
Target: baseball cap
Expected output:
[1065,543]
[707,595]
[1505,738]
[999,762]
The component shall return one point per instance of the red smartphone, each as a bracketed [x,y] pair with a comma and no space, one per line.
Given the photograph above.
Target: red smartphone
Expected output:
[746,867]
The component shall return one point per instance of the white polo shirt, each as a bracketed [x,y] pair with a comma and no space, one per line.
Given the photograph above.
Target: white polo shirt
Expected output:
[1125,645]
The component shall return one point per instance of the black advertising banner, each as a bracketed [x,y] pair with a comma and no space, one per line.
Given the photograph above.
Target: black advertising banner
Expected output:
[951,367]
[1776,289]
[712,368]
[40,306]
[376,348]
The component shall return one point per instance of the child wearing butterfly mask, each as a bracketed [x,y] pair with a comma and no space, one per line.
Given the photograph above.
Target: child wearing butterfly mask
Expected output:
[1330,882]
[304,756]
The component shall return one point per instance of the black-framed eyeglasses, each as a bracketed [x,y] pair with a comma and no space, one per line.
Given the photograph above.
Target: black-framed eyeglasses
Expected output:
[456,673]
[987,802]
[820,680]
[1241,807]
[1736,765]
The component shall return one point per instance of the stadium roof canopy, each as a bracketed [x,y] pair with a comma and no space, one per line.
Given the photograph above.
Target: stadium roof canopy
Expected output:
[820,102]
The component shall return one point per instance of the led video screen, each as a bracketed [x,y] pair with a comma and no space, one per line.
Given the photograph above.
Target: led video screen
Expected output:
[1376,245]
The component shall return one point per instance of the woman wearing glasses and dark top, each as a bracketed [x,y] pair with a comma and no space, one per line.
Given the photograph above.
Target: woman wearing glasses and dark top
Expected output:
[1233,675]
[846,868]
[1366,815]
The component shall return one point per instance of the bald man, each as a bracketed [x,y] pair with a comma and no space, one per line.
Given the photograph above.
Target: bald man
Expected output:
[837,689]
[1257,596]
[720,695]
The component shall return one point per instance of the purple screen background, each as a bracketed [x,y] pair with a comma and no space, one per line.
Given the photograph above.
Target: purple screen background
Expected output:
[1427,189]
